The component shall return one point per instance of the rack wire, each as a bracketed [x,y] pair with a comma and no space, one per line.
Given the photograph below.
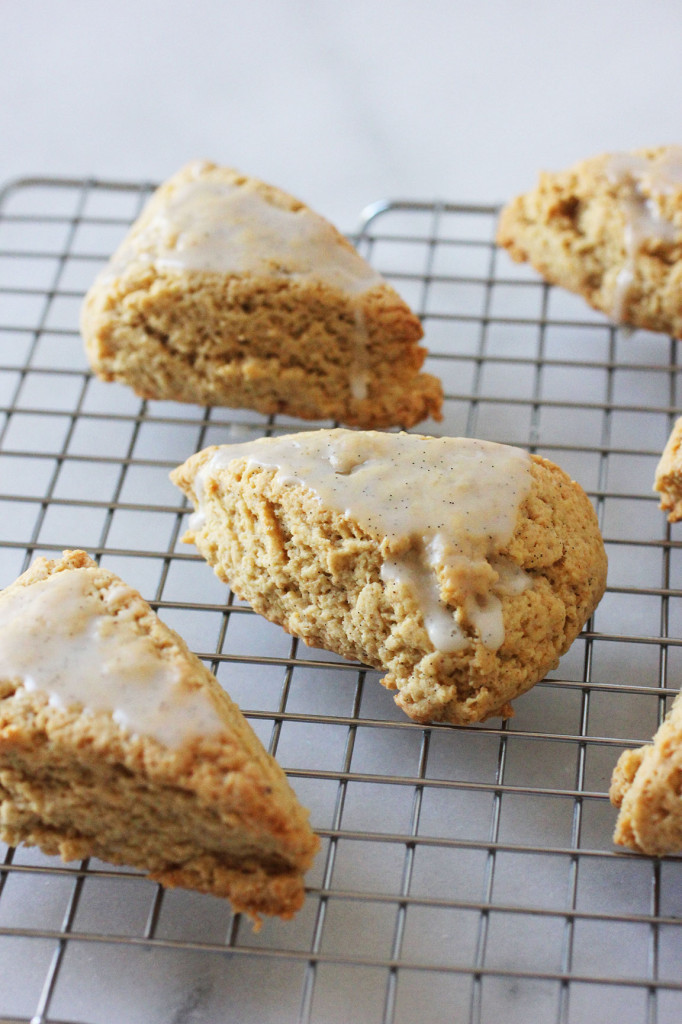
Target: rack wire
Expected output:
[466,874]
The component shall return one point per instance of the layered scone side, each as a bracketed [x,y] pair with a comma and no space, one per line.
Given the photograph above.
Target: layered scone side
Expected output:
[117,742]
[228,291]
[462,569]
[668,478]
[610,229]
[647,788]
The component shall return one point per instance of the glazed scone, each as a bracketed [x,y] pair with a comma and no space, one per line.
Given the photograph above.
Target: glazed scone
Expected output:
[668,479]
[228,291]
[646,786]
[117,742]
[463,569]
[610,229]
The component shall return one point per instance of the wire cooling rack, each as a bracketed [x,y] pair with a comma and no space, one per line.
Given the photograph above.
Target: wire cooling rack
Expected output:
[466,874]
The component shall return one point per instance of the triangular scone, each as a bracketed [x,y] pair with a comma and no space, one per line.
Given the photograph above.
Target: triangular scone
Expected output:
[117,742]
[610,229]
[668,478]
[461,568]
[647,787]
[228,291]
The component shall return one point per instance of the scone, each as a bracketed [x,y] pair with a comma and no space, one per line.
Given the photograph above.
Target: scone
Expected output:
[117,742]
[228,291]
[610,229]
[463,569]
[646,787]
[668,479]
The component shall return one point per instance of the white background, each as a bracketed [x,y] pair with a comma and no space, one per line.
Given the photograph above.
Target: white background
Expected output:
[342,103]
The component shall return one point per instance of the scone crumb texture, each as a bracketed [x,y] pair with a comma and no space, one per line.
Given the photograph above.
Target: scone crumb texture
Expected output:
[462,568]
[229,291]
[117,742]
[646,787]
[610,229]
[668,478]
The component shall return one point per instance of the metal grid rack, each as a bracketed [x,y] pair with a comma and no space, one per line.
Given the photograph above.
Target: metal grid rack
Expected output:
[466,874]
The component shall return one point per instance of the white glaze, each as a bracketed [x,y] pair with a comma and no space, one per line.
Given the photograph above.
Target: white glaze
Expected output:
[647,181]
[57,637]
[446,506]
[661,175]
[359,384]
[209,224]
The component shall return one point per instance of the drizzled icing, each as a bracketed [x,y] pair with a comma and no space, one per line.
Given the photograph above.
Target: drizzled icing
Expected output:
[446,507]
[647,181]
[57,637]
[659,175]
[209,224]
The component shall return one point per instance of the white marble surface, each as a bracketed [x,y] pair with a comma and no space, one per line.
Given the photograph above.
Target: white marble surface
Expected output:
[341,103]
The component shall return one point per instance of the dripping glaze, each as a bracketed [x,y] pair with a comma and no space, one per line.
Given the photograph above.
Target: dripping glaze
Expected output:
[646,182]
[446,507]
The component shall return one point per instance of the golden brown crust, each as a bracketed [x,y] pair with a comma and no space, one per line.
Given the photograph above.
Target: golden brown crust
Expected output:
[318,574]
[267,341]
[215,813]
[668,479]
[572,229]
[647,788]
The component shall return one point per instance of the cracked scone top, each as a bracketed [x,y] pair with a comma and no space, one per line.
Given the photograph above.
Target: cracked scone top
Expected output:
[228,291]
[610,229]
[462,568]
[117,742]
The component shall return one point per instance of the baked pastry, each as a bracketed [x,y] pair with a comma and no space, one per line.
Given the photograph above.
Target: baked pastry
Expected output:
[646,788]
[117,742]
[610,229]
[228,291]
[668,479]
[463,569]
